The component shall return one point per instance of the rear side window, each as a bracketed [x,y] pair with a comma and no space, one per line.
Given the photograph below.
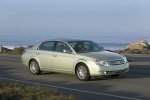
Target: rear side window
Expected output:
[62,46]
[47,46]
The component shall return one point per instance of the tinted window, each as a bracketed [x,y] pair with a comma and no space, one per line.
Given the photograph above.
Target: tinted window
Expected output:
[85,46]
[48,46]
[60,47]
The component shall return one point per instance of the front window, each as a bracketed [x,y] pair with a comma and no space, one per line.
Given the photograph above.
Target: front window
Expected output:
[85,46]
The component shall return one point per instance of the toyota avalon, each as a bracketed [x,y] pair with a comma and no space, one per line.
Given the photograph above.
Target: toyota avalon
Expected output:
[83,58]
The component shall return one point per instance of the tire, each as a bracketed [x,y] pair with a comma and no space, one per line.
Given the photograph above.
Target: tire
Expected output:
[115,75]
[82,72]
[34,67]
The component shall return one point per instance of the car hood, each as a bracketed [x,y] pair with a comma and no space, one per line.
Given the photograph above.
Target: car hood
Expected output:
[103,55]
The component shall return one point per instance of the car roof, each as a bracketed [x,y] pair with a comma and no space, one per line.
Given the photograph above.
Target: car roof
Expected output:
[65,40]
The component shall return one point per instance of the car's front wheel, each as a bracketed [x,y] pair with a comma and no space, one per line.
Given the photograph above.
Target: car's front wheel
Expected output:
[82,72]
[34,67]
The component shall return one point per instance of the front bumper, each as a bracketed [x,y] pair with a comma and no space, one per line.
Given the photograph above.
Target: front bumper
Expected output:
[114,72]
[96,70]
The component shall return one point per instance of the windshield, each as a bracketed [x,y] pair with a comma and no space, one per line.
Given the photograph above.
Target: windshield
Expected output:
[85,46]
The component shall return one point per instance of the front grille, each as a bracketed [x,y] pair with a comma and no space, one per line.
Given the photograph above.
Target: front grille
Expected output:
[121,71]
[117,62]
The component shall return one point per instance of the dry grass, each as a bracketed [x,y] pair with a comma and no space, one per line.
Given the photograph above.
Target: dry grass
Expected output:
[15,91]
[15,51]
[18,51]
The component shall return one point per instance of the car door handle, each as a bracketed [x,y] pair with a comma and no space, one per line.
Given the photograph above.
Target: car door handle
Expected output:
[54,55]
[37,53]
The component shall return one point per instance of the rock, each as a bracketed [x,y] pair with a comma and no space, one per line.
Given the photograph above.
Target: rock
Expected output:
[138,47]
[1,49]
[6,49]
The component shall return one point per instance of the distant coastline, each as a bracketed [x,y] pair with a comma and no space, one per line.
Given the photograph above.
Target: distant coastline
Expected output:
[137,47]
[111,46]
[109,42]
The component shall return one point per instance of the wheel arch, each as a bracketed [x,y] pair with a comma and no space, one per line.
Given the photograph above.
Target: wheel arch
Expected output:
[80,62]
[37,70]
[87,75]
[33,59]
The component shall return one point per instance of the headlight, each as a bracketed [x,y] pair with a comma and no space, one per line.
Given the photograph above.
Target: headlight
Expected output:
[125,59]
[96,61]
[101,62]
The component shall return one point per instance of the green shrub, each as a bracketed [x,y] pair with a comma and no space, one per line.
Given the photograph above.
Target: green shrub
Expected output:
[18,51]
[15,91]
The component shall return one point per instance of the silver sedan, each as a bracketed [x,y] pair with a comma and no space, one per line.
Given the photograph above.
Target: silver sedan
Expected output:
[83,58]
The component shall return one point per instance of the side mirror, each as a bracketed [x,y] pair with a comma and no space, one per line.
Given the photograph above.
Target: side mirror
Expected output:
[67,51]
[109,50]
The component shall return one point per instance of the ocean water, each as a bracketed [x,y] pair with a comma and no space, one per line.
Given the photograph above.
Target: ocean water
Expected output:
[111,43]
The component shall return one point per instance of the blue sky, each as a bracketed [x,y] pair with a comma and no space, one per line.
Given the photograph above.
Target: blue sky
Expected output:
[75,18]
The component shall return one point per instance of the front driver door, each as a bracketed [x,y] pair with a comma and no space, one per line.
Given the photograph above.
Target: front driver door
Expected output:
[62,61]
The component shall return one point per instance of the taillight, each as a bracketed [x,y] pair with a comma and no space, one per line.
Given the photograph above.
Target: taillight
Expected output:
[23,52]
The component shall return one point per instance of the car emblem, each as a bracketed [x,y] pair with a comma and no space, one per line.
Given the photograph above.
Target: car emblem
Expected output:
[119,62]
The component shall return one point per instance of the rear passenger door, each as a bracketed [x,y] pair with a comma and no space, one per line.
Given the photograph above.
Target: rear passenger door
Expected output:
[45,55]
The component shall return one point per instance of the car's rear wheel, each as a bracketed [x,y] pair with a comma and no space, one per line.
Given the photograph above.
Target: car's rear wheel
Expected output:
[115,75]
[34,67]
[82,72]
